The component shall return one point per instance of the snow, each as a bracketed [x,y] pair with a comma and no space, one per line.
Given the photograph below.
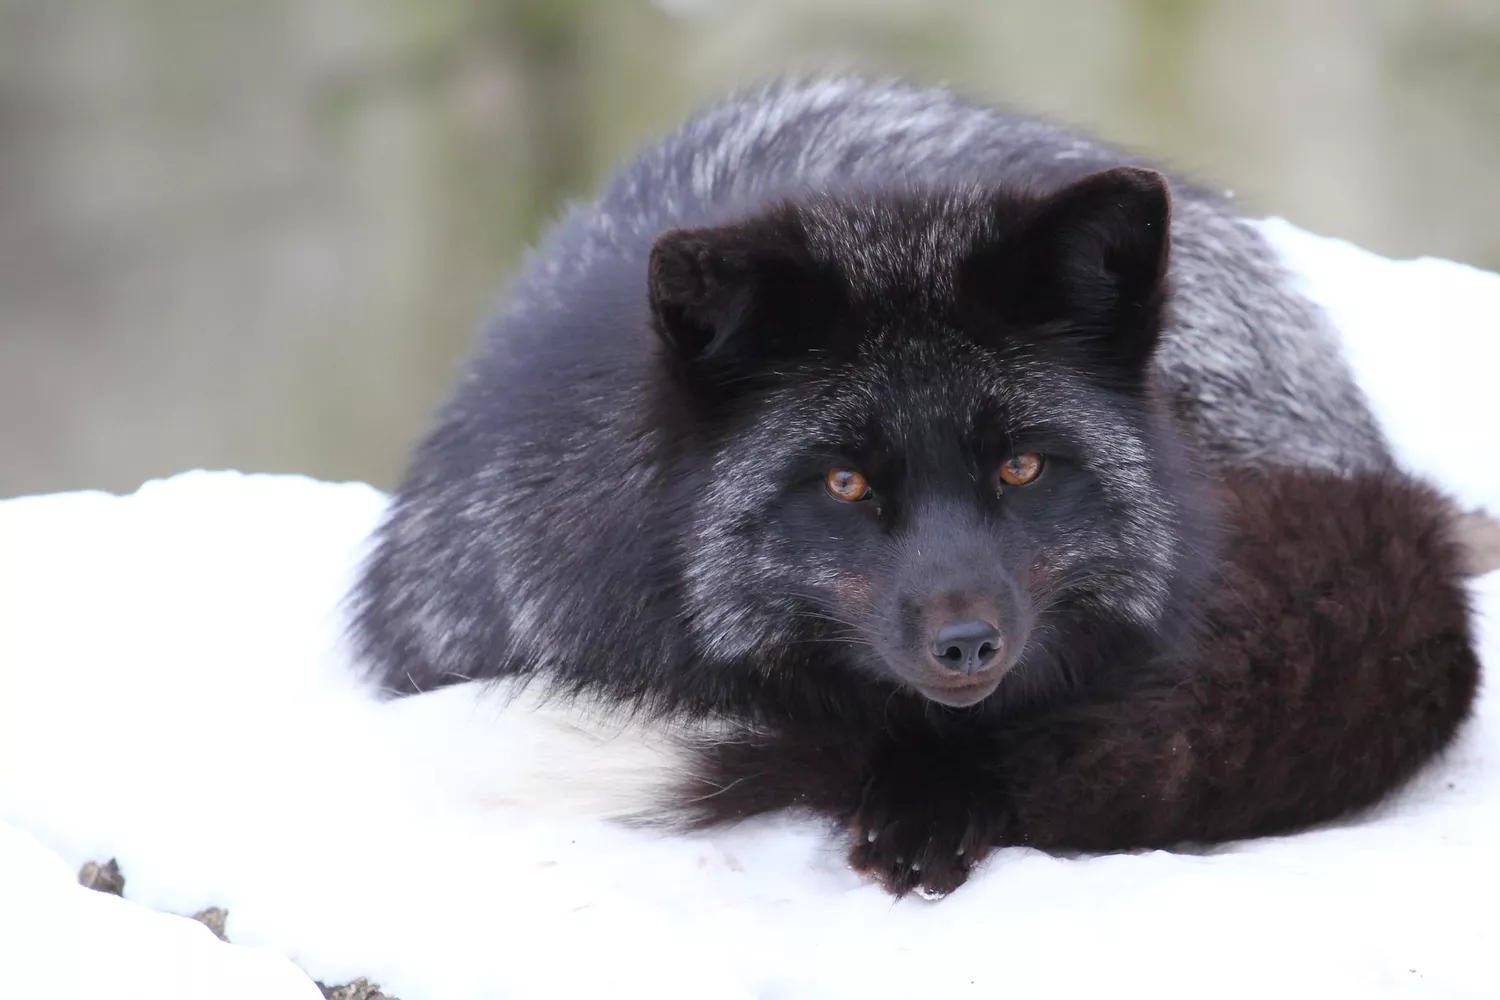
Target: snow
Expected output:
[1423,337]
[60,939]
[174,694]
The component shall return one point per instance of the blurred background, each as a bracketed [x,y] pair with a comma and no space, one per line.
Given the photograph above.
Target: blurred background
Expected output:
[261,233]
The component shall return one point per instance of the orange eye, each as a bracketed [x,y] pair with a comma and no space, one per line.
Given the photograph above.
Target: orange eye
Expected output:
[846,485]
[1021,469]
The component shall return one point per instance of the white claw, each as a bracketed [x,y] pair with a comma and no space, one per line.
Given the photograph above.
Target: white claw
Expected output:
[960,848]
[870,837]
[916,867]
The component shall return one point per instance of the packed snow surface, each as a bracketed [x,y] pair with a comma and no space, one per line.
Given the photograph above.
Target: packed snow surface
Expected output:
[174,694]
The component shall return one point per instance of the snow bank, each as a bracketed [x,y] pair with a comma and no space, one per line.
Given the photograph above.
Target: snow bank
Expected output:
[173,694]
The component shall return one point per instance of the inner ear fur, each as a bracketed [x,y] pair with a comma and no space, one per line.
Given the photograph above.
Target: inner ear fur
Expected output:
[724,295]
[1089,261]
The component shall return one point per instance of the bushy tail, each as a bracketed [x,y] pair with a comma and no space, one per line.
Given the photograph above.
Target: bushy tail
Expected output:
[514,744]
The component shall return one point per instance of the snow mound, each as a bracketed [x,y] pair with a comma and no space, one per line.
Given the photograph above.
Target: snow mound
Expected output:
[174,694]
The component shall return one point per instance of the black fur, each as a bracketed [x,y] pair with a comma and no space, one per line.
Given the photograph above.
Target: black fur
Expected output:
[626,496]
[1336,659]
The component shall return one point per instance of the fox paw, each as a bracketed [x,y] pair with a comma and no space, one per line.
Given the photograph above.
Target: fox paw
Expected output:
[915,835]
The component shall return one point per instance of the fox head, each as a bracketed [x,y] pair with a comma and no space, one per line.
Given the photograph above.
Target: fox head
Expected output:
[922,432]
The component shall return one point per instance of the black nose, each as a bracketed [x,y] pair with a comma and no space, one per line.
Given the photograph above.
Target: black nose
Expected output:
[967,646]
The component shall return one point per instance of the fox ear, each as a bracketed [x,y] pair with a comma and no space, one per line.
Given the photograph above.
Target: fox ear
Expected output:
[708,287]
[1092,258]
[699,293]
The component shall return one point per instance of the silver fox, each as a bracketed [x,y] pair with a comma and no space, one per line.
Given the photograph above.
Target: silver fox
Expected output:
[868,424]
[846,455]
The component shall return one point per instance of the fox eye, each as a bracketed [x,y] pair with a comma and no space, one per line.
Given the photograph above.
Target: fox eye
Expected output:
[846,485]
[1018,470]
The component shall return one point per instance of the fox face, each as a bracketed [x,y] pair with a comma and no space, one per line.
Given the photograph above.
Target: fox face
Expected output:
[923,428]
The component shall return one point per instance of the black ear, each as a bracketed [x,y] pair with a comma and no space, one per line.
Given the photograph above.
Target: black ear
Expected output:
[1091,260]
[708,287]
